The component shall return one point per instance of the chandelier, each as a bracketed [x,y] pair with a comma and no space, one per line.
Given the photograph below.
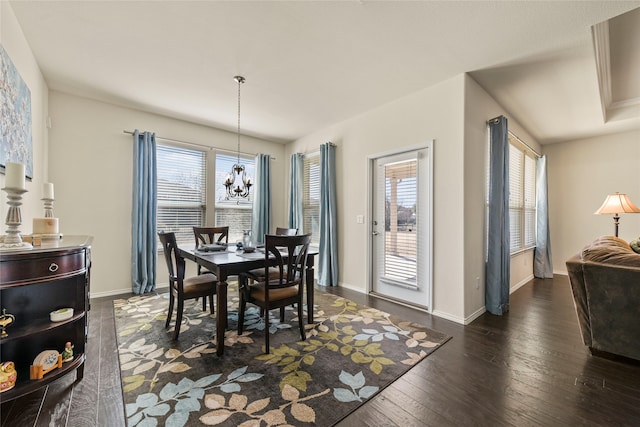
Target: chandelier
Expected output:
[237,181]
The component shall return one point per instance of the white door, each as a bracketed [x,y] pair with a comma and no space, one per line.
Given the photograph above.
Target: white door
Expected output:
[401,226]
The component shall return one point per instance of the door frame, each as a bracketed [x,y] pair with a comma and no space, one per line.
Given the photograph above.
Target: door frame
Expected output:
[371,161]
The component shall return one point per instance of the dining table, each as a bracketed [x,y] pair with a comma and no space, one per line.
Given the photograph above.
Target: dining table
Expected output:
[231,262]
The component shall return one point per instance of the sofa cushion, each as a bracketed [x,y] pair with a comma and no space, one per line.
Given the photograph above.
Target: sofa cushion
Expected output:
[635,245]
[609,241]
[611,250]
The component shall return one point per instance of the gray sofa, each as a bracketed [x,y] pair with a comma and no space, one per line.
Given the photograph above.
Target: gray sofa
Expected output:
[605,280]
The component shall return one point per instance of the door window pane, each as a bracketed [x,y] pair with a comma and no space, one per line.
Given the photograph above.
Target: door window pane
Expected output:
[401,227]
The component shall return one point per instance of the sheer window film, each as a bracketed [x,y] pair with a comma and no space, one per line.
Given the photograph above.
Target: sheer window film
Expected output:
[311,197]
[522,196]
[232,212]
[181,180]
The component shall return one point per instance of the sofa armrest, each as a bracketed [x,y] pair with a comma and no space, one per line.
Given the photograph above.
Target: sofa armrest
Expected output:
[613,301]
[576,278]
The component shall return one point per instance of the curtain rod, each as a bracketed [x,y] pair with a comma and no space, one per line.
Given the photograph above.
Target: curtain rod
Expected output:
[198,145]
[525,144]
[497,119]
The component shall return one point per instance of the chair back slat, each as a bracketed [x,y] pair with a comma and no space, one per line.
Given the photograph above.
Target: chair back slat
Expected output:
[208,235]
[281,231]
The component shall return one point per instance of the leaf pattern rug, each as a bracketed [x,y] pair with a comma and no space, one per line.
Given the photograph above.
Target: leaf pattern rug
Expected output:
[351,353]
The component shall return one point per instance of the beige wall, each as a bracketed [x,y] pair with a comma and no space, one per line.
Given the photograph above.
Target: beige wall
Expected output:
[454,114]
[433,113]
[90,162]
[581,174]
[18,50]
[480,107]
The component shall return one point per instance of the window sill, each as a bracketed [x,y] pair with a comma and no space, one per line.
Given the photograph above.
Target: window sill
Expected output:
[523,250]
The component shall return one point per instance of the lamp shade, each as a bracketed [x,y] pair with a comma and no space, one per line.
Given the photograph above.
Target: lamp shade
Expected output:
[617,203]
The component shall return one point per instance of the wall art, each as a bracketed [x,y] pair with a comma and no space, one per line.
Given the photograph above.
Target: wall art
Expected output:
[16,143]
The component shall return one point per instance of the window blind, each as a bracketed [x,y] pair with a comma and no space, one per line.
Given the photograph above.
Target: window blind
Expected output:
[516,196]
[522,196]
[529,200]
[311,197]
[181,182]
[399,264]
[236,213]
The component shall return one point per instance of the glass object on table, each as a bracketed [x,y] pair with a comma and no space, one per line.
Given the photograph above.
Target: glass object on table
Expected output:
[247,241]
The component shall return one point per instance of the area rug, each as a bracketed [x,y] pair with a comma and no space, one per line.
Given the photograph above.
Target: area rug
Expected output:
[350,354]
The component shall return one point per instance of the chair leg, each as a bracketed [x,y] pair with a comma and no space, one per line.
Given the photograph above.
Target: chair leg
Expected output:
[281,314]
[176,331]
[266,331]
[212,308]
[241,309]
[166,325]
[204,304]
[301,322]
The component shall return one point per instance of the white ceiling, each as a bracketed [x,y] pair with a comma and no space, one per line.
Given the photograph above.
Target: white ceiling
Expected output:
[311,64]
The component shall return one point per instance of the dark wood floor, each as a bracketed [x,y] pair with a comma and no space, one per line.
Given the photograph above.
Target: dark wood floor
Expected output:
[528,367]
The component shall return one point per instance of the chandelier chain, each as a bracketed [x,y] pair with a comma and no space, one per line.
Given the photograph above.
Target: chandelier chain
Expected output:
[239,80]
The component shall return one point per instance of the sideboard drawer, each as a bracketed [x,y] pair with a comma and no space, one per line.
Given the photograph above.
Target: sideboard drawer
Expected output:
[41,269]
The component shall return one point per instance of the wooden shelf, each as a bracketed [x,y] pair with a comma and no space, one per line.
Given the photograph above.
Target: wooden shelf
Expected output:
[25,385]
[38,326]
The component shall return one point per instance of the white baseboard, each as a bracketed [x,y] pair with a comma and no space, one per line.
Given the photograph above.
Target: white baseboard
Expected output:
[457,319]
[351,287]
[521,284]
[479,312]
[159,287]
[447,316]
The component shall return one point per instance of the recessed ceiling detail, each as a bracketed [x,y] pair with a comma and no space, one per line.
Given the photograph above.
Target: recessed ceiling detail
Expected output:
[617,52]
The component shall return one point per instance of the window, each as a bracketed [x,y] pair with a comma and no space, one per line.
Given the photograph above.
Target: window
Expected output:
[311,197]
[398,177]
[522,196]
[236,213]
[181,190]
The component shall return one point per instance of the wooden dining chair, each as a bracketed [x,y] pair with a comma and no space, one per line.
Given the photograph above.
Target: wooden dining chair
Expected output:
[280,231]
[258,273]
[206,236]
[209,235]
[290,256]
[181,288]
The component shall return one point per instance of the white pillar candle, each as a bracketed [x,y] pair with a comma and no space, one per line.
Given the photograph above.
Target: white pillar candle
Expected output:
[14,176]
[47,190]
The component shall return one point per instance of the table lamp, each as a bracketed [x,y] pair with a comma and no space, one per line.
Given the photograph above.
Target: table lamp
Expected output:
[616,204]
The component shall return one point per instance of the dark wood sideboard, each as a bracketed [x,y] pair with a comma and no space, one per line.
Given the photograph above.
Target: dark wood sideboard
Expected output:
[33,283]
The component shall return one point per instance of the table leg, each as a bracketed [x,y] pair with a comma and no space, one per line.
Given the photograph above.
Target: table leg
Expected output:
[221,315]
[310,279]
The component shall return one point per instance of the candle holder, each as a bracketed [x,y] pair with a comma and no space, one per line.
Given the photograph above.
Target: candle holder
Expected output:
[13,239]
[48,208]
